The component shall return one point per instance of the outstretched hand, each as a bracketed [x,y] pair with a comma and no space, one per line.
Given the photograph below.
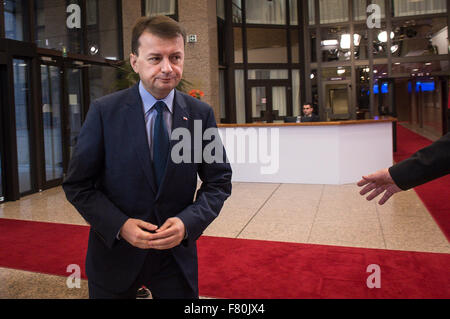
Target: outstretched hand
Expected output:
[378,183]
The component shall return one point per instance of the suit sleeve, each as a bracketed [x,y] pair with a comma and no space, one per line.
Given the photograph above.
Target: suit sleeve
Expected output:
[85,168]
[425,165]
[215,189]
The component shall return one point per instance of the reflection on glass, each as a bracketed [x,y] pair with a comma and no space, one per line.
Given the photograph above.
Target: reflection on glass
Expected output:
[408,8]
[336,42]
[238,53]
[262,74]
[313,42]
[159,7]
[14,19]
[51,119]
[420,37]
[220,9]
[338,73]
[362,47]
[259,102]
[266,12]
[266,45]
[21,98]
[333,11]
[337,99]
[237,11]
[360,9]
[55,28]
[279,101]
[102,81]
[362,88]
[296,92]
[294,46]
[102,25]
[311,12]
[293,11]
[222,100]
[75,98]
[240,96]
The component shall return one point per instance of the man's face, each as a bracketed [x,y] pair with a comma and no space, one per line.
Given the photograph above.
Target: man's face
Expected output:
[307,110]
[159,63]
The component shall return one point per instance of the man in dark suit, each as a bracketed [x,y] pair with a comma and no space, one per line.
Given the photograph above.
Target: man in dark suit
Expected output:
[125,183]
[308,114]
[425,165]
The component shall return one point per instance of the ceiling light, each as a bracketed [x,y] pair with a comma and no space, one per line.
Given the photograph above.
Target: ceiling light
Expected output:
[340,71]
[382,36]
[394,48]
[328,43]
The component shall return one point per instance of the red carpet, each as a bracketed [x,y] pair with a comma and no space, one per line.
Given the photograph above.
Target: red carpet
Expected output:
[436,194]
[238,268]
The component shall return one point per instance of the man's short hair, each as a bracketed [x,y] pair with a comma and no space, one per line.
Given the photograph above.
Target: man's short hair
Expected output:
[310,104]
[161,26]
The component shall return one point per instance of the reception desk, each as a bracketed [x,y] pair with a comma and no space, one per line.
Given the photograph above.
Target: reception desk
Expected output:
[308,153]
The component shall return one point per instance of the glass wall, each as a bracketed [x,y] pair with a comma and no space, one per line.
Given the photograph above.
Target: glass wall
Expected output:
[418,7]
[75,99]
[58,25]
[266,12]
[52,122]
[102,35]
[14,19]
[22,107]
[266,45]
[160,7]
[102,81]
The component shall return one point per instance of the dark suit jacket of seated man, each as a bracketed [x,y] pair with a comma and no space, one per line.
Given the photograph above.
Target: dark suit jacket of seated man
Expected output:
[312,118]
[143,230]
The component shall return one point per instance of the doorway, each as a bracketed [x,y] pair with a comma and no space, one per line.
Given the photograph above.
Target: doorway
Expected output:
[62,104]
[270,100]
[421,104]
[2,103]
[337,100]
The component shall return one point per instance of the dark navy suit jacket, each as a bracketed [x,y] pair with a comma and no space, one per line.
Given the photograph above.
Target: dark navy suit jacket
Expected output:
[111,179]
[425,165]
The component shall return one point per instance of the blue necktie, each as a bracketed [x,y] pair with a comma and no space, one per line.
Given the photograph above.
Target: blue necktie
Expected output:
[160,143]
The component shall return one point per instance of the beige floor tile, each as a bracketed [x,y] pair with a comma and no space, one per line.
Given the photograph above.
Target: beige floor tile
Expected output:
[230,222]
[293,231]
[17,284]
[413,233]
[357,234]
[405,204]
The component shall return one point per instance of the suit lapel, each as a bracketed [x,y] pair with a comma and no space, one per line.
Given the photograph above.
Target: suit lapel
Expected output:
[138,134]
[180,119]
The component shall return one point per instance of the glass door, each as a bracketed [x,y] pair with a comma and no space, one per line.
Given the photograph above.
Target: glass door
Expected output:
[74,111]
[269,102]
[52,121]
[337,96]
[2,94]
[21,70]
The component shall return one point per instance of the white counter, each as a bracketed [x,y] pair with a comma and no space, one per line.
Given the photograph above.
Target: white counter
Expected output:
[308,153]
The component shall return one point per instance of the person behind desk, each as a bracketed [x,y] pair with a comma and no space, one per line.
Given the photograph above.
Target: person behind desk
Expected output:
[308,115]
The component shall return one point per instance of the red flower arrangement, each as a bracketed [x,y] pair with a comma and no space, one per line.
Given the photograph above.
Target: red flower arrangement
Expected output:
[197,94]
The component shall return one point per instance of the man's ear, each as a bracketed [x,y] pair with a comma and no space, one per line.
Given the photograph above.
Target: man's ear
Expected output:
[133,60]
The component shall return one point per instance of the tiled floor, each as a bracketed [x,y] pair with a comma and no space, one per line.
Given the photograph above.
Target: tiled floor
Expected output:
[317,214]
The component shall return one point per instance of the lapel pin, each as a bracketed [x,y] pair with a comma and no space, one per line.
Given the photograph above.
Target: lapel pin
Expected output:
[185,118]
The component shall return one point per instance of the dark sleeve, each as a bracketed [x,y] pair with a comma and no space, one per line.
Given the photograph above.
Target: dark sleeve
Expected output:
[425,165]
[215,189]
[85,168]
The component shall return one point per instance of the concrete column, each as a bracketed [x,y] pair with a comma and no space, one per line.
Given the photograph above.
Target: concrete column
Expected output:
[201,66]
